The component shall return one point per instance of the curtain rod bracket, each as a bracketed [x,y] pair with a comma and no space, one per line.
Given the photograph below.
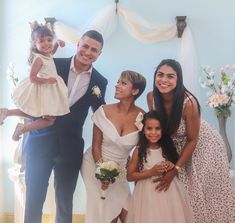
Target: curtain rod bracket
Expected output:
[116,2]
[181,24]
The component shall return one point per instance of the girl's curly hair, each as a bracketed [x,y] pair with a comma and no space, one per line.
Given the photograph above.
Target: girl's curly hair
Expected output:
[166,142]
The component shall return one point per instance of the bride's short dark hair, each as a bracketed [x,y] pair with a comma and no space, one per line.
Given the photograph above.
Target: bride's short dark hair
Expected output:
[138,81]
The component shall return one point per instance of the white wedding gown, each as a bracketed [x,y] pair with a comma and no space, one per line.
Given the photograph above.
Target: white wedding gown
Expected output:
[116,148]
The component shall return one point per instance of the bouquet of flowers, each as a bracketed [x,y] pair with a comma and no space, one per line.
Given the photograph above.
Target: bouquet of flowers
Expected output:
[107,171]
[222,94]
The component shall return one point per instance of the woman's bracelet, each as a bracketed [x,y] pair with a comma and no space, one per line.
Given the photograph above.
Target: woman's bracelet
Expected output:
[178,168]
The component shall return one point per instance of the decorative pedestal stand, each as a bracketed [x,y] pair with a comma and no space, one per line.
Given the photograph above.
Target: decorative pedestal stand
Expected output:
[16,174]
[222,129]
[19,197]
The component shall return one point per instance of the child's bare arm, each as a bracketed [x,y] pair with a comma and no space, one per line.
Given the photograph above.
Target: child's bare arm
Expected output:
[58,43]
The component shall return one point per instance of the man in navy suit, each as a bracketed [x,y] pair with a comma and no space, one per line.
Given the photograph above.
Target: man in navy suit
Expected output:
[60,147]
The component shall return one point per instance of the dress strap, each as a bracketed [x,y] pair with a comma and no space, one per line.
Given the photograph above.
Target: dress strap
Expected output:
[186,100]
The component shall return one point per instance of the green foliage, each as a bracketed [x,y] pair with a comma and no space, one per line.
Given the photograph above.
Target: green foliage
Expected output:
[107,175]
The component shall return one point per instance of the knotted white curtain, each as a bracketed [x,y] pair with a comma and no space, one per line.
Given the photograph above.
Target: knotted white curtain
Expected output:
[106,22]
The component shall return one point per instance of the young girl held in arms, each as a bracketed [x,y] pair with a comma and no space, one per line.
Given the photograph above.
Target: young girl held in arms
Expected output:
[153,156]
[43,94]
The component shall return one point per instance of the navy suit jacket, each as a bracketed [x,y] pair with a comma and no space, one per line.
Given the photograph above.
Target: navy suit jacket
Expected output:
[63,141]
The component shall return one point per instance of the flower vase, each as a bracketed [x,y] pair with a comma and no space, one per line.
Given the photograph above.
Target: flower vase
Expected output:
[222,130]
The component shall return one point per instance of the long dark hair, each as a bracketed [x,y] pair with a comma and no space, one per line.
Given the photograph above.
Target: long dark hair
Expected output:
[168,148]
[171,123]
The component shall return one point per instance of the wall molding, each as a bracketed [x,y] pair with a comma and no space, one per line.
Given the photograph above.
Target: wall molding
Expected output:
[47,218]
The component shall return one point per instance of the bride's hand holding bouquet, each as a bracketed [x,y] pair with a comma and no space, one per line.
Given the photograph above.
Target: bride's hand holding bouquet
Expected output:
[107,172]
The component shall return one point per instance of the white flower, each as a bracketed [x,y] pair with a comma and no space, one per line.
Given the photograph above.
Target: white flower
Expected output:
[98,170]
[211,82]
[203,84]
[96,91]
[10,69]
[12,79]
[209,93]
[138,121]
[108,170]
[109,165]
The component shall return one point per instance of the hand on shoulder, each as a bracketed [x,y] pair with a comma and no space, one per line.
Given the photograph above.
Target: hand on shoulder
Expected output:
[150,100]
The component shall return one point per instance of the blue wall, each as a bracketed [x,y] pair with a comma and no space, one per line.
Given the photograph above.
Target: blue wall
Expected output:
[212,24]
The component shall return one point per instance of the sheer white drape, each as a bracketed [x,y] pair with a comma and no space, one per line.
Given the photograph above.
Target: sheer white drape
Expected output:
[106,22]
[188,60]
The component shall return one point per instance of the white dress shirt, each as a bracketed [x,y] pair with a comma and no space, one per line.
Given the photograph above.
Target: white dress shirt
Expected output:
[77,83]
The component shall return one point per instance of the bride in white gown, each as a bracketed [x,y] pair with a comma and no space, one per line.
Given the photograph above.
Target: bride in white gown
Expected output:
[115,132]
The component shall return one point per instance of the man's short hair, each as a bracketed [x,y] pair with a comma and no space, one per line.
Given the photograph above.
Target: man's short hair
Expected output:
[93,34]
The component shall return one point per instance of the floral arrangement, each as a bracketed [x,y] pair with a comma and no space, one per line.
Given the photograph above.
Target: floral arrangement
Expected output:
[222,94]
[96,91]
[11,77]
[108,171]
